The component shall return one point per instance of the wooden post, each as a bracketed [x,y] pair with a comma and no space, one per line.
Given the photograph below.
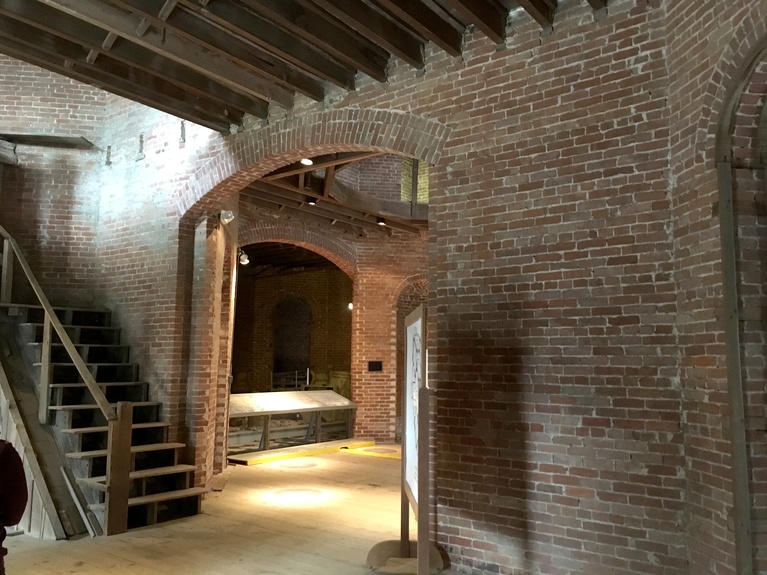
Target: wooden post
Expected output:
[741,495]
[6,284]
[118,469]
[45,371]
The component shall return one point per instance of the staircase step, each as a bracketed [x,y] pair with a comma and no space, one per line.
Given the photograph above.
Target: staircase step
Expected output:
[83,334]
[157,497]
[67,315]
[100,384]
[134,449]
[89,352]
[99,483]
[105,428]
[94,406]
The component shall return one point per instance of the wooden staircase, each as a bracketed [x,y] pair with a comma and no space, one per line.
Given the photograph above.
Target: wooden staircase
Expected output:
[160,487]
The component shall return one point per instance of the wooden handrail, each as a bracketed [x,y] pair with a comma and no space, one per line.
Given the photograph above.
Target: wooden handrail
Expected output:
[82,368]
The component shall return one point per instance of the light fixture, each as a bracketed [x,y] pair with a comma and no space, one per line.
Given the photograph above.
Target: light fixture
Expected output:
[306,161]
[244,259]
[380,221]
[351,306]
[312,201]
[226,216]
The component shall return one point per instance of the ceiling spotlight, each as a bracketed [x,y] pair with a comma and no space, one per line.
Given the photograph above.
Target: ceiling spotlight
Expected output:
[380,221]
[312,201]
[306,161]
[226,216]
[244,259]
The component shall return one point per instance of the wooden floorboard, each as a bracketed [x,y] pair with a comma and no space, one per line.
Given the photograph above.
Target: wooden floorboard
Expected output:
[317,515]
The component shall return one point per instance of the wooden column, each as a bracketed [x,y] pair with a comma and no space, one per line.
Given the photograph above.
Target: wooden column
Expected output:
[6,284]
[118,470]
[45,371]
[740,474]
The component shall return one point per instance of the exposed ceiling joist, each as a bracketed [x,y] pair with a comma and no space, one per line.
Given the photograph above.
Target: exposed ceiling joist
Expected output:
[541,10]
[426,22]
[487,16]
[293,46]
[372,24]
[172,47]
[598,4]
[197,32]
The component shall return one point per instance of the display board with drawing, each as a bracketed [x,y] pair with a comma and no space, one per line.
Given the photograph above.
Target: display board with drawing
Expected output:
[414,369]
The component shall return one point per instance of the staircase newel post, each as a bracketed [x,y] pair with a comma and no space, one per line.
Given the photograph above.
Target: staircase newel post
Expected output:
[6,283]
[45,370]
[118,469]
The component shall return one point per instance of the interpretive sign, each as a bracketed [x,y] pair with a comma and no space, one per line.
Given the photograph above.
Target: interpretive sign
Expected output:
[414,369]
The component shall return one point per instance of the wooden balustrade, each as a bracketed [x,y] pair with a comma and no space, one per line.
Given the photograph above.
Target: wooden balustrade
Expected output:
[118,467]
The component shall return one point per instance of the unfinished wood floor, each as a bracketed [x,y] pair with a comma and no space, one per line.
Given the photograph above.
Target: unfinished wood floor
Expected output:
[316,515]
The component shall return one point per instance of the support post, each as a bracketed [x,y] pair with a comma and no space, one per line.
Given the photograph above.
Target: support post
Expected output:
[44,398]
[741,496]
[118,469]
[6,284]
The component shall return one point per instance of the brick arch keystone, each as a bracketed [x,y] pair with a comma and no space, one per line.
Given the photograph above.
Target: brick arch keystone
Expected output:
[249,155]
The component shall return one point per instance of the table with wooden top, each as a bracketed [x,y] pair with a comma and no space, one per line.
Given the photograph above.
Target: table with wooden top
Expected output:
[268,404]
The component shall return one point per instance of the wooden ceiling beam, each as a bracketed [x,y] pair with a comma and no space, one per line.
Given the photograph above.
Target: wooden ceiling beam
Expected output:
[291,210]
[421,18]
[333,206]
[340,158]
[91,37]
[195,30]
[485,15]
[313,26]
[333,210]
[541,10]
[117,86]
[114,72]
[172,47]
[372,24]
[238,20]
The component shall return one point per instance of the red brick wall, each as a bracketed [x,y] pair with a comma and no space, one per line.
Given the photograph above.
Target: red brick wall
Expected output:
[380,176]
[707,55]
[46,202]
[327,293]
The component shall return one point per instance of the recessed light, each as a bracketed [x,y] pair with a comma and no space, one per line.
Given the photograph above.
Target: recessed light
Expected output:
[306,161]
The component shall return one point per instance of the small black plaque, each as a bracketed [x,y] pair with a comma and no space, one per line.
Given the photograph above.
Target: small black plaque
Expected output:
[375,366]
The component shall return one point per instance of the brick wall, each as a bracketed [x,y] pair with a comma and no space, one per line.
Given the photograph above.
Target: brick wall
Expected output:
[46,203]
[327,294]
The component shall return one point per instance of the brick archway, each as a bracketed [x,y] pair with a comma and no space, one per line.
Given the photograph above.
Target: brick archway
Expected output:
[250,155]
[746,45]
[340,253]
